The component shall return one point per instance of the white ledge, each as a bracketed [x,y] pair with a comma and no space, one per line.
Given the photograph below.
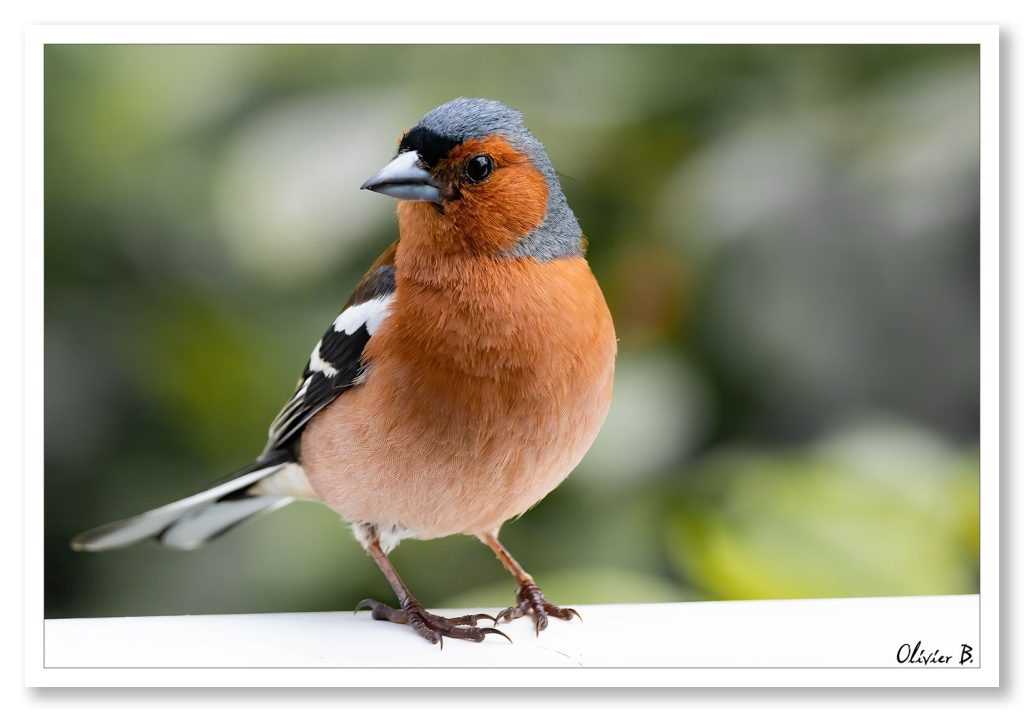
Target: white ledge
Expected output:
[825,633]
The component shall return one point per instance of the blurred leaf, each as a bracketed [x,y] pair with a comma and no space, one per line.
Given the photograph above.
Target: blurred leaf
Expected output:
[815,524]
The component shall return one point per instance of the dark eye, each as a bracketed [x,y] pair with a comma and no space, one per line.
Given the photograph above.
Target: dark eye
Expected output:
[479,168]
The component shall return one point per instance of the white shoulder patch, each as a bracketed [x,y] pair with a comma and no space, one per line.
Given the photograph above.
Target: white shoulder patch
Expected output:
[371,313]
[316,363]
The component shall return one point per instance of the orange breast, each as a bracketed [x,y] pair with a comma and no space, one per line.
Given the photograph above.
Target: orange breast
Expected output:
[479,400]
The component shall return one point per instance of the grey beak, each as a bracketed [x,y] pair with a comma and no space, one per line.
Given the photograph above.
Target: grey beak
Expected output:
[405,178]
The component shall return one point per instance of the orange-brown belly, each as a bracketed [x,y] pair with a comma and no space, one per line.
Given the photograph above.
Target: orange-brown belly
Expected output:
[374,457]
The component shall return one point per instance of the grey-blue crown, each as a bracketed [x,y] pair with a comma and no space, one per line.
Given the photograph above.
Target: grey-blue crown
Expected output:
[463,119]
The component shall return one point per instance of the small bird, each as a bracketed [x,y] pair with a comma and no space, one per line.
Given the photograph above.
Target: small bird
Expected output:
[465,378]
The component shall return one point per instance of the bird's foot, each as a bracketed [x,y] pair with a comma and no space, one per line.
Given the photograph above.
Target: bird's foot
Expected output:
[530,599]
[432,627]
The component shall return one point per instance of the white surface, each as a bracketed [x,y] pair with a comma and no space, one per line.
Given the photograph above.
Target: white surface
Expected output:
[864,632]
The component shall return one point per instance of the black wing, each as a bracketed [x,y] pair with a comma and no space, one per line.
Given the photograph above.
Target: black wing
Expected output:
[336,363]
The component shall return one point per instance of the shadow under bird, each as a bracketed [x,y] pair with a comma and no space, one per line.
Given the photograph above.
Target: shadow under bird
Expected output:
[465,378]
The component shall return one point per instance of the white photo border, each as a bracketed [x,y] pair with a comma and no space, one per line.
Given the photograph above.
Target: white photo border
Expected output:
[985,36]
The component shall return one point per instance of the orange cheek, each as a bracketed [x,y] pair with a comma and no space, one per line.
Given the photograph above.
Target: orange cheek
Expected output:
[495,214]
[490,217]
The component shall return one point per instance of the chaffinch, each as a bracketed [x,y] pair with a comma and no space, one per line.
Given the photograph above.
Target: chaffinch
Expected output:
[464,379]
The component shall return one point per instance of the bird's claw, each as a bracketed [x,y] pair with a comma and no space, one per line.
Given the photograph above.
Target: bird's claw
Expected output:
[364,604]
[472,619]
[432,627]
[530,600]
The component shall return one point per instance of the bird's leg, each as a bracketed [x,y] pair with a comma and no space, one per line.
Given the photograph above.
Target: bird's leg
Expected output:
[412,613]
[529,598]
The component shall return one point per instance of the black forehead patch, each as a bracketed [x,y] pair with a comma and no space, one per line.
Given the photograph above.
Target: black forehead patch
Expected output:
[431,145]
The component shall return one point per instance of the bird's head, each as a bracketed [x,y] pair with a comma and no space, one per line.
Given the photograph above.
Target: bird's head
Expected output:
[470,177]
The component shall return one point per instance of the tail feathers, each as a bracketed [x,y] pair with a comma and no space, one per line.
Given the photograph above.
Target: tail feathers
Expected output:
[200,526]
[192,521]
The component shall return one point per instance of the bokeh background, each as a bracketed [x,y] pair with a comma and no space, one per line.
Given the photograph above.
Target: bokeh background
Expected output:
[787,237]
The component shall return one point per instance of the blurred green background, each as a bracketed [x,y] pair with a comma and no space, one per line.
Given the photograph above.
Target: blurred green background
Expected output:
[787,237]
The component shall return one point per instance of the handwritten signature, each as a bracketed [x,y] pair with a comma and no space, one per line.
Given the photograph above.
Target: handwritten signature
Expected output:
[918,655]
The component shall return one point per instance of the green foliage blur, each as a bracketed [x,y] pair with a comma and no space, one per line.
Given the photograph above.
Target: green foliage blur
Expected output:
[787,237]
